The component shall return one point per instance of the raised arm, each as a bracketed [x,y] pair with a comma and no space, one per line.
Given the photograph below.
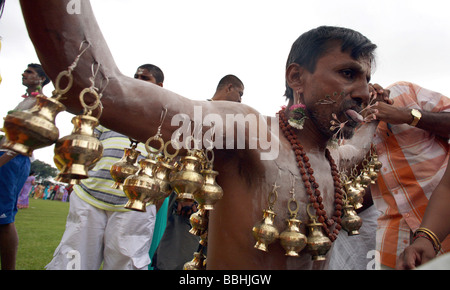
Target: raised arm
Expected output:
[131,107]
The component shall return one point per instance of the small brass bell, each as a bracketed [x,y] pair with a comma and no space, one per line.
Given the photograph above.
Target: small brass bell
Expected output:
[372,174]
[291,239]
[317,244]
[358,186]
[125,167]
[264,231]
[199,222]
[210,192]
[350,221]
[163,171]
[32,129]
[188,179]
[354,195]
[365,178]
[196,263]
[76,153]
[142,187]
[374,160]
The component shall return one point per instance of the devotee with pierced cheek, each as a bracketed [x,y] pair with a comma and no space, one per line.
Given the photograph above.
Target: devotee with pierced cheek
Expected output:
[322,61]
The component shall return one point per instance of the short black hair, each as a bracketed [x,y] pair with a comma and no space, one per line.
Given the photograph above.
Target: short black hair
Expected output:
[155,71]
[230,79]
[312,45]
[40,71]
[2,6]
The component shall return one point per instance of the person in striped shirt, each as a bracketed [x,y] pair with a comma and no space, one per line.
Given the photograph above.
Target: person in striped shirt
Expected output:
[99,229]
[412,141]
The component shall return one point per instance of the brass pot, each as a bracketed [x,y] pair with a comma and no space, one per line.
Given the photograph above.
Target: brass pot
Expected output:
[354,195]
[199,222]
[264,231]
[75,154]
[187,180]
[142,187]
[196,263]
[125,167]
[162,173]
[350,221]
[32,129]
[210,192]
[318,244]
[292,240]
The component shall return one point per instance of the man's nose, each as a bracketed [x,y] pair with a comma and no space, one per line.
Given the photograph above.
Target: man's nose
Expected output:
[361,93]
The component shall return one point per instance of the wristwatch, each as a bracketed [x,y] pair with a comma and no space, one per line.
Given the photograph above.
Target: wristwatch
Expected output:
[417,115]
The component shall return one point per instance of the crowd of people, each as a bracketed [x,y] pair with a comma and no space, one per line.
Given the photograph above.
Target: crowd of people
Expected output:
[328,74]
[59,192]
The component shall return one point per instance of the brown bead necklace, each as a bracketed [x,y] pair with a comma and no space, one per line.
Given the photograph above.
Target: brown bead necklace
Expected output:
[312,188]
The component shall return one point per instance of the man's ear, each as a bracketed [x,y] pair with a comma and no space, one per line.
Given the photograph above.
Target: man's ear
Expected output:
[229,87]
[295,77]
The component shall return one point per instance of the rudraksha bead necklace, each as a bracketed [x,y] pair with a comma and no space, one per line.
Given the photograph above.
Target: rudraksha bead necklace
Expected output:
[311,186]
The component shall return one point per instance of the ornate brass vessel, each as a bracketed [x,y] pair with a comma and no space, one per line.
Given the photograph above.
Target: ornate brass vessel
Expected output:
[197,263]
[210,192]
[354,195]
[188,179]
[142,187]
[350,222]
[32,129]
[292,240]
[317,244]
[163,171]
[125,167]
[264,231]
[199,222]
[75,154]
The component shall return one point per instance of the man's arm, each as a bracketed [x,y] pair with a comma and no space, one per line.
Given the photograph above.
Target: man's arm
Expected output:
[131,107]
[435,122]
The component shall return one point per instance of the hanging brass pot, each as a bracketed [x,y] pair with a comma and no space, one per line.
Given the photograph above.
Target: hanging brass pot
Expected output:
[264,231]
[188,179]
[292,240]
[199,222]
[125,167]
[75,154]
[350,220]
[210,192]
[143,187]
[317,244]
[32,129]
[354,195]
[197,263]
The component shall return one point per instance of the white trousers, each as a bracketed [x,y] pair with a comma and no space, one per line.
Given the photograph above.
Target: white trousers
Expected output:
[121,240]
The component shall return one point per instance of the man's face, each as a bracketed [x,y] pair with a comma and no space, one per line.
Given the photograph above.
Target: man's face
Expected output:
[337,90]
[30,78]
[145,75]
[234,93]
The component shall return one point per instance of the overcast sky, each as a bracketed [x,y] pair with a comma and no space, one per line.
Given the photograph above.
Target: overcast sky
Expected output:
[197,42]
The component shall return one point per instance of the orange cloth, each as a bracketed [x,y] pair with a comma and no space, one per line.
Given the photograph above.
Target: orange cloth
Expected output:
[414,162]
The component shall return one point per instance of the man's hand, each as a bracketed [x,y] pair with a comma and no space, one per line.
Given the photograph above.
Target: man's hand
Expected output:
[382,108]
[418,253]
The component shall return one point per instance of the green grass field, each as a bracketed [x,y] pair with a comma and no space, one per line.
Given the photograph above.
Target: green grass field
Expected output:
[40,228]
